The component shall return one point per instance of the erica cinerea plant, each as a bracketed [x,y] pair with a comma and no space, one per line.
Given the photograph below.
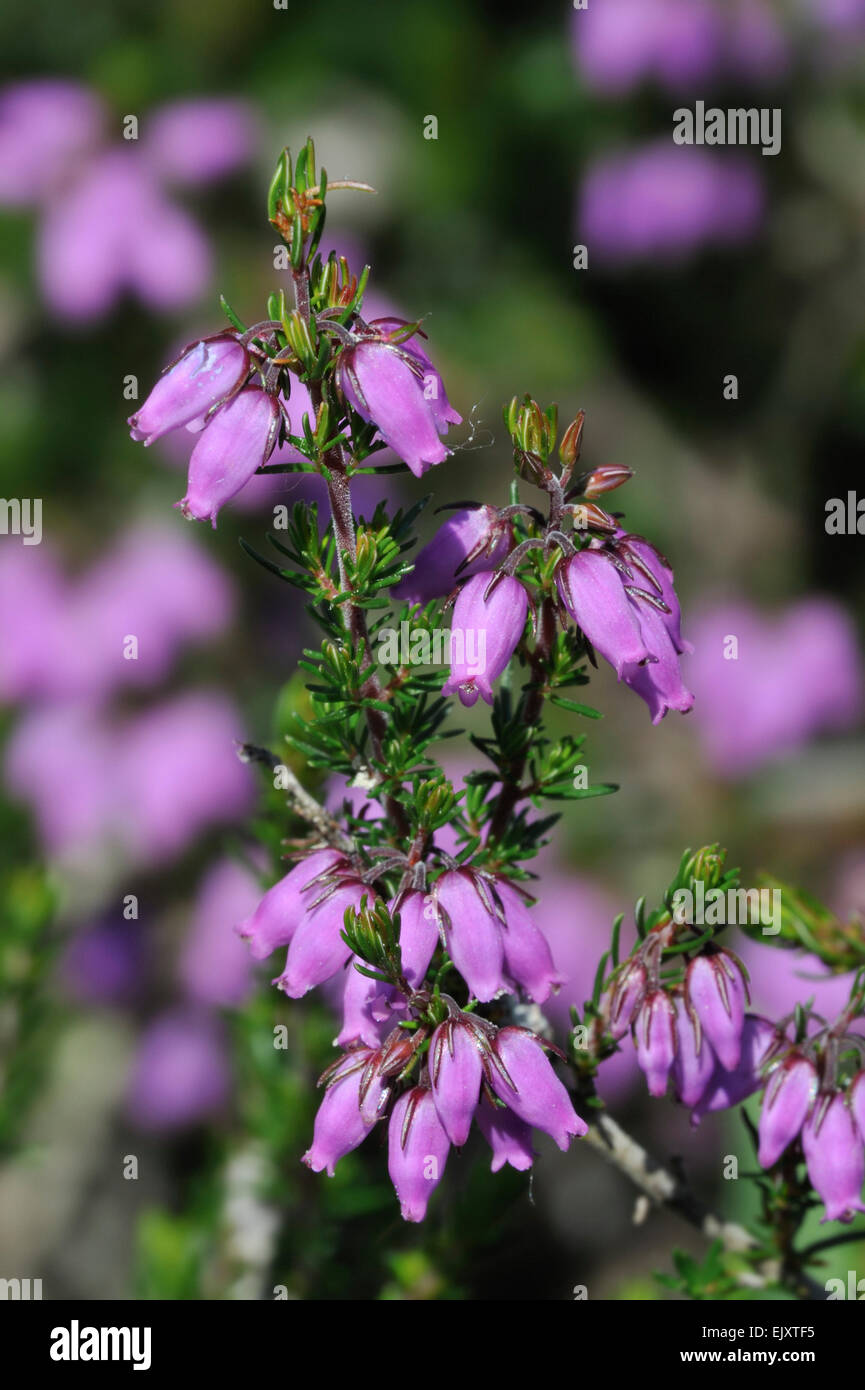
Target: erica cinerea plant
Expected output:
[412,903]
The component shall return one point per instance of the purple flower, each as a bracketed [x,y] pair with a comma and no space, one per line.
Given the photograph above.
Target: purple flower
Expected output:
[178,773]
[663,200]
[236,441]
[369,1007]
[485,632]
[857,1101]
[470,531]
[395,387]
[833,1148]
[180,1074]
[626,997]
[621,42]
[528,958]
[637,638]
[275,919]
[214,965]
[534,1093]
[206,373]
[317,949]
[47,127]
[758,697]
[472,931]
[198,141]
[418,1148]
[789,1093]
[105,964]
[418,935]
[728,1088]
[344,1119]
[509,1137]
[108,225]
[655,1031]
[456,1072]
[716,992]
[695,1061]
[115,231]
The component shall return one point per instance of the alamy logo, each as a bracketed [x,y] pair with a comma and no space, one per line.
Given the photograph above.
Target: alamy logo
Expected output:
[438,646]
[736,126]
[76,1343]
[737,906]
[21,1290]
[21,516]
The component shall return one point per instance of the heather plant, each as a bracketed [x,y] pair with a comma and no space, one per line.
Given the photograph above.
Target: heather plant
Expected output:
[410,899]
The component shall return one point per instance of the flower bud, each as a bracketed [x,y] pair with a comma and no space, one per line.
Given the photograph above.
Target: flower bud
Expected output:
[317,950]
[606,479]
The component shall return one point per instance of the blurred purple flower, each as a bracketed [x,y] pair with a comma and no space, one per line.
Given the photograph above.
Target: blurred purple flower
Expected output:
[215,966]
[180,1074]
[104,964]
[676,43]
[108,226]
[663,200]
[179,772]
[66,639]
[61,761]
[46,128]
[792,676]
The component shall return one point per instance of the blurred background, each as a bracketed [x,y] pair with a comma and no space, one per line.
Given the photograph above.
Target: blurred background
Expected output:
[150,1133]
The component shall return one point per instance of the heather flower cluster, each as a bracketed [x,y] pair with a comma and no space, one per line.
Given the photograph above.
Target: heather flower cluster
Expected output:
[697,1036]
[411,901]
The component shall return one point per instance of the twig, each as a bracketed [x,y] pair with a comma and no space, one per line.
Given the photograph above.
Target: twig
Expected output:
[303,802]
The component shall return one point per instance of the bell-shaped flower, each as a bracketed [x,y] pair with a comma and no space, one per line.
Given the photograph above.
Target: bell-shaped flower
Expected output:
[418,1148]
[509,1137]
[788,1097]
[234,444]
[274,921]
[528,958]
[472,932]
[468,532]
[695,1061]
[208,372]
[835,1157]
[418,934]
[716,991]
[394,386]
[530,1088]
[655,1033]
[344,1119]
[456,1072]
[317,950]
[485,631]
[726,1088]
